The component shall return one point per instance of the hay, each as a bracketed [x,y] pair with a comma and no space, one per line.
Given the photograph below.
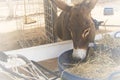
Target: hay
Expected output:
[102,64]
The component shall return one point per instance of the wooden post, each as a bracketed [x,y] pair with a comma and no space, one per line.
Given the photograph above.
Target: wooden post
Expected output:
[11,8]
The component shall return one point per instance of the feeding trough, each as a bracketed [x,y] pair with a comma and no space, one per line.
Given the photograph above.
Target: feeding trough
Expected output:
[66,58]
[65,75]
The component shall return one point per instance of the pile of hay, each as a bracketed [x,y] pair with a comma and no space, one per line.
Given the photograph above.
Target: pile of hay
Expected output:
[102,64]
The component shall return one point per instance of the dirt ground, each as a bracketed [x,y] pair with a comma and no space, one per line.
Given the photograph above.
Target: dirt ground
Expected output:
[12,40]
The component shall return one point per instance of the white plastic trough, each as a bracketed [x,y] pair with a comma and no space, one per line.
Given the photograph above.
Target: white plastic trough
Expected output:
[43,52]
[49,51]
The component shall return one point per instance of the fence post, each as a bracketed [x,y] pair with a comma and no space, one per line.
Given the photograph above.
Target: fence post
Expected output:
[11,8]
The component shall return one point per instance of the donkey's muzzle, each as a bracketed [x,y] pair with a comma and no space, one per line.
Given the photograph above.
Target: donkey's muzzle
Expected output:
[79,54]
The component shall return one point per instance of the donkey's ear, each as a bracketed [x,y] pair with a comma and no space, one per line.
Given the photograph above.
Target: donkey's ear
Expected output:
[60,4]
[91,4]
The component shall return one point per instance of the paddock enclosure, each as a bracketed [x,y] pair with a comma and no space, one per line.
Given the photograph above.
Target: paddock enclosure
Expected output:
[33,22]
[28,23]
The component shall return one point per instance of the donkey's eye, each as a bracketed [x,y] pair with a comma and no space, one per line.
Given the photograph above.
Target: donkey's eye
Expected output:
[86,32]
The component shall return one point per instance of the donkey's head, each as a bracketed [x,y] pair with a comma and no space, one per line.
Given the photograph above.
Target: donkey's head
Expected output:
[80,25]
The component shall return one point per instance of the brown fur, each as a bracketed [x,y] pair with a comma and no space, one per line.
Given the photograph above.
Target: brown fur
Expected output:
[75,23]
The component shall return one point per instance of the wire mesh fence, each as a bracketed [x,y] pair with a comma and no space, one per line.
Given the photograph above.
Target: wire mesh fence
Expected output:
[35,26]
[50,12]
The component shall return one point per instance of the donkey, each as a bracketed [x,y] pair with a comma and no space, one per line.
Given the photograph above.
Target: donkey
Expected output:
[75,23]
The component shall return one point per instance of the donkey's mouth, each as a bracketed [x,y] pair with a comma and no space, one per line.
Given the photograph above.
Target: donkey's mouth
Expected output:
[79,54]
